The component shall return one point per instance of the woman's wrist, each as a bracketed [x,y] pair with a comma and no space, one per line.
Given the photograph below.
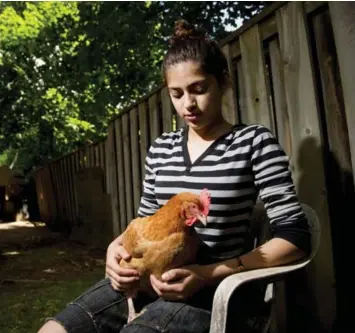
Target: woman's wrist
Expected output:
[214,273]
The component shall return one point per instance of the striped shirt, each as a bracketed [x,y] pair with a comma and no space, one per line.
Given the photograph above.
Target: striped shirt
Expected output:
[240,166]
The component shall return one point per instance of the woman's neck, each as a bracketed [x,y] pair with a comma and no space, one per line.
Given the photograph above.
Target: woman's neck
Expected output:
[212,131]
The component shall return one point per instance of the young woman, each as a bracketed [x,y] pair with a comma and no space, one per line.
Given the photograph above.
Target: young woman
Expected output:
[237,164]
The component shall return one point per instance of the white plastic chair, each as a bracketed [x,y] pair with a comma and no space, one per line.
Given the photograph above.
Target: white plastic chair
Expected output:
[268,275]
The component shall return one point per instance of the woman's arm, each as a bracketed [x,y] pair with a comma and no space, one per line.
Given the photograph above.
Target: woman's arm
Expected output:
[276,251]
[181,283]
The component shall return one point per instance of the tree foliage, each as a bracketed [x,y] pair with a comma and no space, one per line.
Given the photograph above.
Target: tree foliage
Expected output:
[67,67]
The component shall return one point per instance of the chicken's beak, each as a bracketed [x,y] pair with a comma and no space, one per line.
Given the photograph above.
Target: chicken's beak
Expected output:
[203,218]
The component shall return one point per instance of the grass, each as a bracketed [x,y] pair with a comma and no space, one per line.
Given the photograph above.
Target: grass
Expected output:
[25,306]
[38,281]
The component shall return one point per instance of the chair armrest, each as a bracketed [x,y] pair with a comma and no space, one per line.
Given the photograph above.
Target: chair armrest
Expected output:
[227,287]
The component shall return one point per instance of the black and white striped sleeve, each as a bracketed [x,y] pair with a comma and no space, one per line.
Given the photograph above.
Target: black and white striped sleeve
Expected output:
[272,177]
[148,204]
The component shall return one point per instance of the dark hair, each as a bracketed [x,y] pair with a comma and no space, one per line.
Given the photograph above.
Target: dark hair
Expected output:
[188,43]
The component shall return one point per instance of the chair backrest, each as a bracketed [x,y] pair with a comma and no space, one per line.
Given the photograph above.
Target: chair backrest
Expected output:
[315,228]
[261,232]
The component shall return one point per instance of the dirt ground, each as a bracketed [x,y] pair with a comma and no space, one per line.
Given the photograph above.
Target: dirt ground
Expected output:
[31,251]
[40,271]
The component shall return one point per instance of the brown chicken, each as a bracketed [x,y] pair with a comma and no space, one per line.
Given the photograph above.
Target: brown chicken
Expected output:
[165,240]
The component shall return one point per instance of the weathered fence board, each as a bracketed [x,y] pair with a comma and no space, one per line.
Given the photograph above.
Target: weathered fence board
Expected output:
[135,160]
[258,110]
[120,175]
[127,167]
[281,110]
[340,179]
[230,110]
[167,110]
[154,118]
[343,21]
[143,135]
[112,189]
[306,156]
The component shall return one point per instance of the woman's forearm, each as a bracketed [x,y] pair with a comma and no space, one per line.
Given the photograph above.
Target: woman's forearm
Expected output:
[275,252]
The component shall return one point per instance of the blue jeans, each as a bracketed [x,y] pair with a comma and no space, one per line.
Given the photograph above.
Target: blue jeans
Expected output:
[101,309]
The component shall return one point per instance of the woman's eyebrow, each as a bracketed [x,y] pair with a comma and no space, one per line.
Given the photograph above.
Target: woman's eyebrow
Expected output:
[190,85]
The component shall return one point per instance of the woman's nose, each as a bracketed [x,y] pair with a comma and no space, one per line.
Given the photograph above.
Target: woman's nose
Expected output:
[190,103]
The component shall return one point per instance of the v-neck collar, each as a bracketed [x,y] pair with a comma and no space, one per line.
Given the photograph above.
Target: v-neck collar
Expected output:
[209,149]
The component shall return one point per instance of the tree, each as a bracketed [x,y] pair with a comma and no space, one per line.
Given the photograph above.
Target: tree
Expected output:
[67,67]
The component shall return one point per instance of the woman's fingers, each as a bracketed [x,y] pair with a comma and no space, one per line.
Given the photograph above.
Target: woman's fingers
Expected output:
[123,279]
[121,252]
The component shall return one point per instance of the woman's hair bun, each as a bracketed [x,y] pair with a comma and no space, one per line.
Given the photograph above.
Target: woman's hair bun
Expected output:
[184,30]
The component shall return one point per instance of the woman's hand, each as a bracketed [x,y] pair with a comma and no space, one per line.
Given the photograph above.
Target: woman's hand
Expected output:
[178,284]
[122,279]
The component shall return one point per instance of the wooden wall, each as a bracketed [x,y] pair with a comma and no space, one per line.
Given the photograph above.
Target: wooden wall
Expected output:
[291,70]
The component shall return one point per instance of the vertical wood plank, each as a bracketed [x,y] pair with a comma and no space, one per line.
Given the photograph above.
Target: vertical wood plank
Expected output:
[258,110]
[111,167]
[108,183]
[91,156]
[97,155]
[45,206]
[76,161]
[54,175]
[127,167]
[120,174]
[343,22]
[40,195]
[340,177]
[102,154]
[230,110]
[144,135]
[69,191]
[66,189]
[135,160]
[60,190]
[82,158]
[75,195]
[242,94]
[86,156]
[281,110]
[51,195]
[154,120]
[308,164]
[167,111]
[62,197]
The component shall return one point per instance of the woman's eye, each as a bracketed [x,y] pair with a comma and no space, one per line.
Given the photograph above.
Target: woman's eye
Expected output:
[176,94]
[200,89]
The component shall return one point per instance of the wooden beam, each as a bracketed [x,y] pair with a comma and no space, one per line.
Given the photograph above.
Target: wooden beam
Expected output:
[343,22]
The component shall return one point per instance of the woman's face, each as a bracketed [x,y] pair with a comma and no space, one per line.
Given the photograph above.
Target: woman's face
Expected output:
[196,96]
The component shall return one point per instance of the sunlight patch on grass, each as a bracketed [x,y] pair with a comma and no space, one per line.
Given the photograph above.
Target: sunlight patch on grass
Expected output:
[11,253]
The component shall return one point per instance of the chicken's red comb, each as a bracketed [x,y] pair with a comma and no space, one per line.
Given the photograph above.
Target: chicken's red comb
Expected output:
[205,199]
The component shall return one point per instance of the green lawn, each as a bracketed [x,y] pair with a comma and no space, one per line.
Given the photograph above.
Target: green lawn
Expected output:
[38,282]
[24,307]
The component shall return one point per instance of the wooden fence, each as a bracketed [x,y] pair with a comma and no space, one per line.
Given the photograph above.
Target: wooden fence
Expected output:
[291,70]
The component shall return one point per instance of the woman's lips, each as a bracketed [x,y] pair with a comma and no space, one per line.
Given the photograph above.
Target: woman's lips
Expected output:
[192,117]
